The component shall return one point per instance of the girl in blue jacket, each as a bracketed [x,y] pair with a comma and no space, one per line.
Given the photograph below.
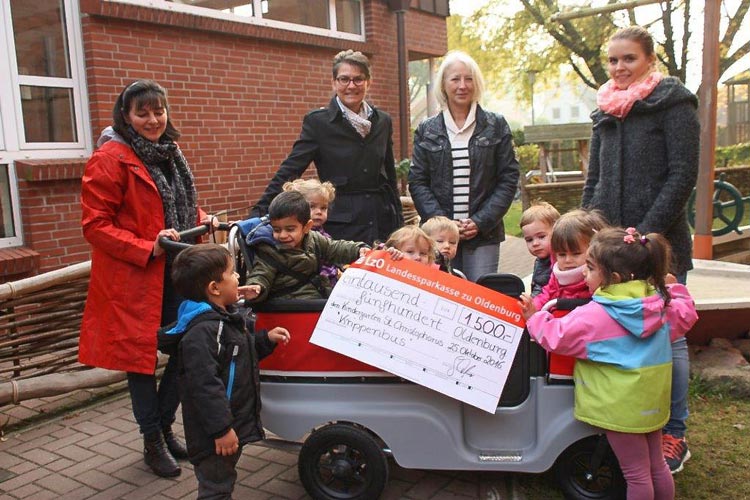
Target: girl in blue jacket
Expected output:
[622,341]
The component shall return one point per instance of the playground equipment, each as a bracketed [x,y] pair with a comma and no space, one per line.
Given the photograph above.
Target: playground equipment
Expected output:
[728,207]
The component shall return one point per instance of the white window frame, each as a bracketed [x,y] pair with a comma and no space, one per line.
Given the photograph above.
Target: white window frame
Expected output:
[13,146]
[257,18]
[17,240]
[75,82]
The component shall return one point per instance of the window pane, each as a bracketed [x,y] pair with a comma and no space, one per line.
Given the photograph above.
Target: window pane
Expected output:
[41,42]
[307,12]
[348,16]
[48,114]
[7,228]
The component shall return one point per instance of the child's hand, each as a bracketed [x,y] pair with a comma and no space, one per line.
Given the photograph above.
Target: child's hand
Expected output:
[527,306]
[279,334]
[228,444]
[249,292]
[670,279]
[395,253]
[363,251]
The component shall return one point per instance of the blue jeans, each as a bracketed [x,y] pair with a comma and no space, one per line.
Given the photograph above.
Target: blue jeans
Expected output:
[477,262]
[154,408]
[678,415]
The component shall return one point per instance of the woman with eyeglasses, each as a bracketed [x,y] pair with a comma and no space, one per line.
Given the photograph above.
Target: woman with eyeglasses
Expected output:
[350,142]
[463,166]
[137,188]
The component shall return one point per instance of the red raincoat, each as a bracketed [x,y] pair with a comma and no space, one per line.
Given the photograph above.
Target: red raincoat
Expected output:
[122,214]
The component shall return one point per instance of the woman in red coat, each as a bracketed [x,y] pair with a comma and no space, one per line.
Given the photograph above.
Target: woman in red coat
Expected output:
[137,188]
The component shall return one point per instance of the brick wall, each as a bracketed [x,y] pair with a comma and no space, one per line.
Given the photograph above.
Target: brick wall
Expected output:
[237,92]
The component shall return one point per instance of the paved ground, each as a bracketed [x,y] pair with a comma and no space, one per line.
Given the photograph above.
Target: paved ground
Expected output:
[95,452]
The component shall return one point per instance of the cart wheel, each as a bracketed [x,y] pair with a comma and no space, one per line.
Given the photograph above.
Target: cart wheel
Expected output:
[342,462]
[573,473]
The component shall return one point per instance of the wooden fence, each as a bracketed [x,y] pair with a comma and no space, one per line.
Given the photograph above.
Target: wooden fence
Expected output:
[40,318]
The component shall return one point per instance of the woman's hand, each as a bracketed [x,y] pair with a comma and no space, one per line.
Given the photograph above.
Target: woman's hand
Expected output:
[467,229]
[279,334]
[527,306]
[228,444]
[172,234]
[249,292]
[212,222]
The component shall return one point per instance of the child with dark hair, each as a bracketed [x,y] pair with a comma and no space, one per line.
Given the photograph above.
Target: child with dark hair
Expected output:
[218,366]
[622,341]
[288,254]
[320,196]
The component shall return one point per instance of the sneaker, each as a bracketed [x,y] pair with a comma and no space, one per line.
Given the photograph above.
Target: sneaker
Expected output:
[676,452]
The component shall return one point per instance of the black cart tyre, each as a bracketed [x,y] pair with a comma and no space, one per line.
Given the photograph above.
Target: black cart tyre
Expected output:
[572,473]
[342,462]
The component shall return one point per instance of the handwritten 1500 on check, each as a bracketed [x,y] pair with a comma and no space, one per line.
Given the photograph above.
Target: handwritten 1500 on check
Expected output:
[483,332]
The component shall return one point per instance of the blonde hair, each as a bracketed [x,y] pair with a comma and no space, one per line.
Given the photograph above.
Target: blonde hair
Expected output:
[439,223]
[573,230]
[401,236]
[539,211]
[311,187]
[452,57]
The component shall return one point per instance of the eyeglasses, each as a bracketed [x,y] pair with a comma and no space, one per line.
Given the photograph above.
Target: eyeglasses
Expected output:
[344,81]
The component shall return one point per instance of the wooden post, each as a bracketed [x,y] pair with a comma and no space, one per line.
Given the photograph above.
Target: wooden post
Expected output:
[703,241]
[400,8]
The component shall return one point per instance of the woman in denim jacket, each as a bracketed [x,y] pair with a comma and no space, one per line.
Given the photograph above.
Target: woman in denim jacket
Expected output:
[463,166]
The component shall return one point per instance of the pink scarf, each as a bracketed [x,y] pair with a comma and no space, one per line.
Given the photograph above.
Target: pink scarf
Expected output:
[618,102]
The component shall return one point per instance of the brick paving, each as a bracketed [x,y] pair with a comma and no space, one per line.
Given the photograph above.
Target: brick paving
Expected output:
[95,452]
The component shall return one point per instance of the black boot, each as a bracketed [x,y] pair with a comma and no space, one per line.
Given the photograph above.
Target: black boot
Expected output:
[156,456]
[175,446]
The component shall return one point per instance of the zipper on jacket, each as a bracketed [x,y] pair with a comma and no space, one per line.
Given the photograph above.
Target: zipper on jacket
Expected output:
[230,382]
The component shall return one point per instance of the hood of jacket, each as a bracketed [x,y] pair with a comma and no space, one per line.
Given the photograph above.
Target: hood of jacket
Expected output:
[263,233]
[109,134]
[187,312]
[669,92]
[634,305]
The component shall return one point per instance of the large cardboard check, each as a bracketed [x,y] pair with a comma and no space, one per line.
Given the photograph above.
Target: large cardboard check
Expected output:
[424,325]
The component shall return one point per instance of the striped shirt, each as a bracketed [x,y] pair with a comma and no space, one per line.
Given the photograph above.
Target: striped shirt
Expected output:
[459,138]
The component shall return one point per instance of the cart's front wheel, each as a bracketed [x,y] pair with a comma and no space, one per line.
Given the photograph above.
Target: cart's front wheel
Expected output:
[580,480]
[343,462]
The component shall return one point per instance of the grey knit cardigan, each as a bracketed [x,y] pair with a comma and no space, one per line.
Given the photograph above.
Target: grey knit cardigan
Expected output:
[643,168]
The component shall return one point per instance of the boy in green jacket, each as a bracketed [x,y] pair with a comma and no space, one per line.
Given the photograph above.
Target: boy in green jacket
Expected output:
[287,255]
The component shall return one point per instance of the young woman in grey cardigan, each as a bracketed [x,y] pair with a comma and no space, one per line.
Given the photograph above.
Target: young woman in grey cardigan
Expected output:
[643,166]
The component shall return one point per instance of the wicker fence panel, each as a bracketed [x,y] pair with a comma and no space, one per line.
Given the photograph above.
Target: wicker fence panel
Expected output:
[40,318]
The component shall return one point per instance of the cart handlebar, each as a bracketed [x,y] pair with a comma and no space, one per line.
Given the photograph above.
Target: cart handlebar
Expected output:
[195,232]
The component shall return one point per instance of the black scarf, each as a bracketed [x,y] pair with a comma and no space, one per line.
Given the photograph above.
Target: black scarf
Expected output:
[178,193]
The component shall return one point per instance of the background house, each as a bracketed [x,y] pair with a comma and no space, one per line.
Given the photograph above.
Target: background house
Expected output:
[239,81]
